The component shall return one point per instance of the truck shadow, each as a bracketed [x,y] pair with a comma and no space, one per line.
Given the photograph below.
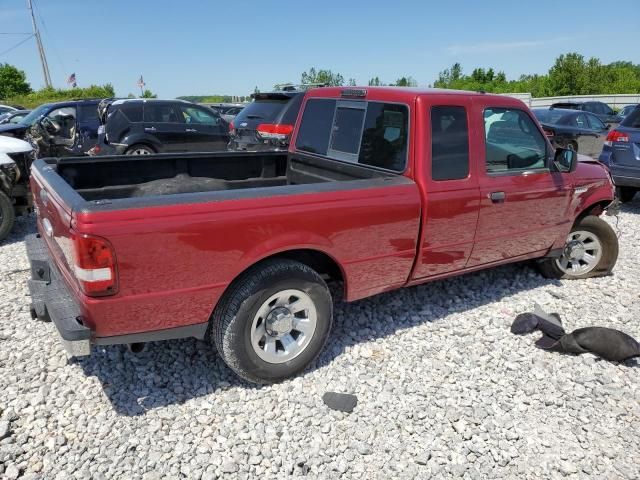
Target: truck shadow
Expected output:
[24,225]
[174,372]
[631,207]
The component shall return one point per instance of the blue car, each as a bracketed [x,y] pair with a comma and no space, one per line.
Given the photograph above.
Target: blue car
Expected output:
[621,153]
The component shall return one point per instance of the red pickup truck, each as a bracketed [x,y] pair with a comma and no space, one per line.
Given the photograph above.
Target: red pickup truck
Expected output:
[382,188]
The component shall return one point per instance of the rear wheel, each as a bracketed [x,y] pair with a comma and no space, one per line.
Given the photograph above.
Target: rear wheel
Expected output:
[591,250]
[7,215]
[273,321]
[139,150]
[626,194]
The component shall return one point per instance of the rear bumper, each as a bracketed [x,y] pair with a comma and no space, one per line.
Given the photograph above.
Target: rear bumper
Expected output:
[51,298]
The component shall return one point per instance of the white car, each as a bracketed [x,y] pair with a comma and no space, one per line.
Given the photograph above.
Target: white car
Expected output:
[15,198]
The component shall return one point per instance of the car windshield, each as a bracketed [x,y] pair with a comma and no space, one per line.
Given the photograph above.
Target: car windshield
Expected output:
[264,110]
[34,115]
[548,116]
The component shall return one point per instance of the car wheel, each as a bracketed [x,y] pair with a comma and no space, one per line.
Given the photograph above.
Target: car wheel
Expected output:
[591,250]
[7,216]
[625,194]
[139,150]
[273,321]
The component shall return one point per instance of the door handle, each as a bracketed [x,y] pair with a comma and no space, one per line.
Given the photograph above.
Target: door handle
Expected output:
[497,197]
[149,129]
[192,130]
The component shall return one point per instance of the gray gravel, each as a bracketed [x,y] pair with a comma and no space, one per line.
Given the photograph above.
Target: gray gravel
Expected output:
[443,389]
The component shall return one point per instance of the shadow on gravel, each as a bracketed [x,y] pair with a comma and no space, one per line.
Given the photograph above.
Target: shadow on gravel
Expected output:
[25,225]
[174,372]
[631,207]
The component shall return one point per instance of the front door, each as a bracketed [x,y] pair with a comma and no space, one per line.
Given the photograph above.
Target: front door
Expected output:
[452,197]
[163,121]
[523,204]
[206,131]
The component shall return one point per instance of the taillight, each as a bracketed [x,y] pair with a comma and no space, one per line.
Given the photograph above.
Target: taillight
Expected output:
[549,133]
[232,128]
[274,131]
[616,136]
[94,150]
[94,265]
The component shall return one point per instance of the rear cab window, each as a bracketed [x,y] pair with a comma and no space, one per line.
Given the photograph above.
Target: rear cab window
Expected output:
[365,132]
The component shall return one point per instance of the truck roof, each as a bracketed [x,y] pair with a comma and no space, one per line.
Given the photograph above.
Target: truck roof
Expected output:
[404,94]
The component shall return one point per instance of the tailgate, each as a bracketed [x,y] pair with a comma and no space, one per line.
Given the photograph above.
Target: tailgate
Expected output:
[54,214]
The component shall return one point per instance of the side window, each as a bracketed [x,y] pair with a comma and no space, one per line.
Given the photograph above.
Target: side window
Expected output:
[315,126]
[162,113]
[88,113]
[580,121]
[198,115]
[512,141]
[132,110]
[595,122]
[385,135]
[606,109]
[63,122]
[449,143]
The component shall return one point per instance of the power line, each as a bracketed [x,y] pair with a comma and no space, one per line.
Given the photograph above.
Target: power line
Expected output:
[17,44]
[50,41]
[16,33]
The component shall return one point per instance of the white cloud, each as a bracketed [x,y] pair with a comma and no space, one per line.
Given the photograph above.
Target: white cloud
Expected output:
[492,47]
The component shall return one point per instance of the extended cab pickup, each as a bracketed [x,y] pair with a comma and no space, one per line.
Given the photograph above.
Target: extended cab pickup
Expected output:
[382,188]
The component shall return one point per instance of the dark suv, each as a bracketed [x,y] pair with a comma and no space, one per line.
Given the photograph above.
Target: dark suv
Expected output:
[267,122]
[601,110]
[146,126]
[58,129]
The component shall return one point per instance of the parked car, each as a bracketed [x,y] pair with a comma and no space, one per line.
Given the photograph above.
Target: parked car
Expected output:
[10,108]
[626,110]
[146,126]
[228,111]
[621,153]
[58,129]
[14,116]
[236,247]
[600,109]
[580,131]
[267,122]
[15,198]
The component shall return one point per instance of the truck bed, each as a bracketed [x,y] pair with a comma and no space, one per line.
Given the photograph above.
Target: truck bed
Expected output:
[122,177]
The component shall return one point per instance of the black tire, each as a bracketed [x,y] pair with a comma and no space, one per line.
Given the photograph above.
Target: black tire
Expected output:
[231,323]
[626,194]
[139,147]
[609,241]
[8,217]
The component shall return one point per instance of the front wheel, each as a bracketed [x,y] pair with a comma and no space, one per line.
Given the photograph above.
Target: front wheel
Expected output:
[273,321]
[7,216]
[591,250]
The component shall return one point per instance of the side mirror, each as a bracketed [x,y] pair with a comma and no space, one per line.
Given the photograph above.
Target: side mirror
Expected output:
[566,160]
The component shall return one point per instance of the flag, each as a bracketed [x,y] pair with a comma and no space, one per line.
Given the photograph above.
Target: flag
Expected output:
[72,80]
[141,83]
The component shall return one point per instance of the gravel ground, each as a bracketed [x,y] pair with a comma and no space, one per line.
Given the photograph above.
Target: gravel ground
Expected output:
[444,390]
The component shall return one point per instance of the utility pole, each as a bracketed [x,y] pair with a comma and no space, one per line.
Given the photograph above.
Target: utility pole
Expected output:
[43,58]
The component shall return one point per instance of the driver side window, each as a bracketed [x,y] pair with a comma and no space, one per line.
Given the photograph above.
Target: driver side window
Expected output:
[513,142]
[197,115]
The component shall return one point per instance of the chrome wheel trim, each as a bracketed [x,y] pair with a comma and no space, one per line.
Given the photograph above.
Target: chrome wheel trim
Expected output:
[581,254]
[140,151]
[283,326]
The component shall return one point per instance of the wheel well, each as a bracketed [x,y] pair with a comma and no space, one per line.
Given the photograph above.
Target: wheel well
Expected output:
[144,144]
[596,209]
[319,261]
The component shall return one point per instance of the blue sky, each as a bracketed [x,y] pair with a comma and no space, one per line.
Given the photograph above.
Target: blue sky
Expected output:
[205,47]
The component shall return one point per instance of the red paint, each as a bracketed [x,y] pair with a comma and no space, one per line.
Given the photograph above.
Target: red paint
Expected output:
[175,262]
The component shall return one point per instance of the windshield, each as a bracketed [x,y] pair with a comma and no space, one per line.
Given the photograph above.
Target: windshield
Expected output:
[34,115]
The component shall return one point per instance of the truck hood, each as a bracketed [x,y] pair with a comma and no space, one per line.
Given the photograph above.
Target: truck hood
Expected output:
[13,128]
[13,145]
